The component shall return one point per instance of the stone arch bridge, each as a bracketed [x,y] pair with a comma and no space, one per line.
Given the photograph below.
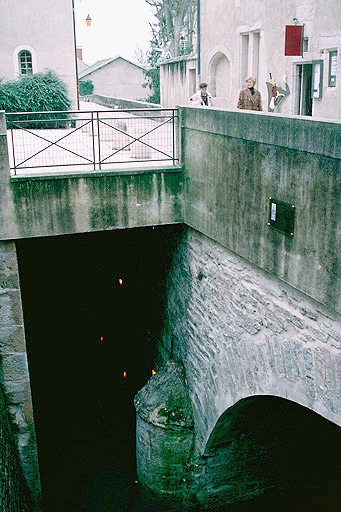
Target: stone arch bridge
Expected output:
[252,304]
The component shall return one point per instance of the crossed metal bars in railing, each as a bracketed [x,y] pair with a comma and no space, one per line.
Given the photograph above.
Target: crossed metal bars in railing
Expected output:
[91,139]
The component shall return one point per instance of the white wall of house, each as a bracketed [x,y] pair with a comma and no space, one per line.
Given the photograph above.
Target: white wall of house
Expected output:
[119,79]
[45,29]
[81,66]
[178,81]
[241,38]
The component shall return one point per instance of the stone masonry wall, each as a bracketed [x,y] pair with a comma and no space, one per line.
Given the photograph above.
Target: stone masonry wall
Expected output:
[240,332]
[14,495]
[14,375]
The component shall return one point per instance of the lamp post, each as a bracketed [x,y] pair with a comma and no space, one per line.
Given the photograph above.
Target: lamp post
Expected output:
[74,43]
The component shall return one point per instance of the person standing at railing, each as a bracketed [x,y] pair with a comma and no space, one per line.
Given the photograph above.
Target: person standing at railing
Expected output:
[202,98]
[250,98]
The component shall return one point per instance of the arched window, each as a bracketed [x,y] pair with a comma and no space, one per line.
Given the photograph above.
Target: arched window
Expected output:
[25,62]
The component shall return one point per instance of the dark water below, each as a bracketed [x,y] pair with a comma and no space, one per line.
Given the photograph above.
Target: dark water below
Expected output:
[90,465]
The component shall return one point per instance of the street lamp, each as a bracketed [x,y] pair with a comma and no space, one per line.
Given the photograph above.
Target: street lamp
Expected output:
[88,20]
[75,48]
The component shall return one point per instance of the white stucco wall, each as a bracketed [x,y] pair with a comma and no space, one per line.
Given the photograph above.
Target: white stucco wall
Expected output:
[178,81]
[121,79]
[224,21]
[81,65]
[225,24]
[45,28]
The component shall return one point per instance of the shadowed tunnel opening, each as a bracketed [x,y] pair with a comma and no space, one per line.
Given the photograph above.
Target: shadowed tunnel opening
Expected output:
[273,453]
[92,308]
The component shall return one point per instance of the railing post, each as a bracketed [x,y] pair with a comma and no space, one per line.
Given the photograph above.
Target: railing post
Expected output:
[93,140]
[4,156]
[3,135]
[173,119]
[98,142]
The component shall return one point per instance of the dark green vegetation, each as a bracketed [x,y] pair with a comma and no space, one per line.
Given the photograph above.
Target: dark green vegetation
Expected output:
[153,82]
[34,93]
[85,87]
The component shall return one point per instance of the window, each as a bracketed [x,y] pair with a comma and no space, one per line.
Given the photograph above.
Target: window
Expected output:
[332,68]
[244,69]
[25,62]
[305,44]
[255,53]
[249,55]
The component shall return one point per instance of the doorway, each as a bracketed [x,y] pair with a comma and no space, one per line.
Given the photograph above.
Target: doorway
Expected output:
[304,88]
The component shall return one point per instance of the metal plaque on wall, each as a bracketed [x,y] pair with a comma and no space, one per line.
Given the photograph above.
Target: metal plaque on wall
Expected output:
[281,216]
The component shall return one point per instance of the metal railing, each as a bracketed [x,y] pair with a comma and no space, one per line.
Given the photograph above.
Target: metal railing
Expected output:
[91,140]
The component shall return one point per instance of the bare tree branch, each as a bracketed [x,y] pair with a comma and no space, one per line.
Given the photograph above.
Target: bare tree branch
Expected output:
[175,22]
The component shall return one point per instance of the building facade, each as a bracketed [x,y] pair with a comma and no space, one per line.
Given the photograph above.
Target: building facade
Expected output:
[178,80]
[242,38]
[36,36]
[117,77]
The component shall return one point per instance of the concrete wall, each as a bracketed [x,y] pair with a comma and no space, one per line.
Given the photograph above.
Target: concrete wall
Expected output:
[235,161]
[178,81]
[64,204]
[120,78]
[110,101]
[223,25]
[48,205]
[45,28]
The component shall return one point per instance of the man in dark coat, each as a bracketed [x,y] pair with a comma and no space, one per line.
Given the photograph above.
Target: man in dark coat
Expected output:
[250,98]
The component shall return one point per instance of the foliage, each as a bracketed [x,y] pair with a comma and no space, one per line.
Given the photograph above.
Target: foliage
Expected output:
[140,55]
[176,20]
[86,87]
[153,82]
[33,93]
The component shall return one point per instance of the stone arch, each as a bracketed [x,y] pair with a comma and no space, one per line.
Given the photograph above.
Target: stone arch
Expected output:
[219,72]
[264,445]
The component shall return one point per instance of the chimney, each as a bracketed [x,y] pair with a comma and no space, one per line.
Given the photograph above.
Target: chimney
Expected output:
[79,52]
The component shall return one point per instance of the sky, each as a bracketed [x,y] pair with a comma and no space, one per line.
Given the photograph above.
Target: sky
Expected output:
[117,27]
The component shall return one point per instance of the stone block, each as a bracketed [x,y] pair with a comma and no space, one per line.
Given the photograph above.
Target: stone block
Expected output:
[14,367]
[8,256]
[12,339]
[16,306]
[17,392]
[9,280]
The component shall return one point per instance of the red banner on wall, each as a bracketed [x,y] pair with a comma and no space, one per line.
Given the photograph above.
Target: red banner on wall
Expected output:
[294,40]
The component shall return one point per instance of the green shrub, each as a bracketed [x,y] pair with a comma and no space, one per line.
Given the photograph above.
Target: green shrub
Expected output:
[34,93]
[153,82]
[86,87]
